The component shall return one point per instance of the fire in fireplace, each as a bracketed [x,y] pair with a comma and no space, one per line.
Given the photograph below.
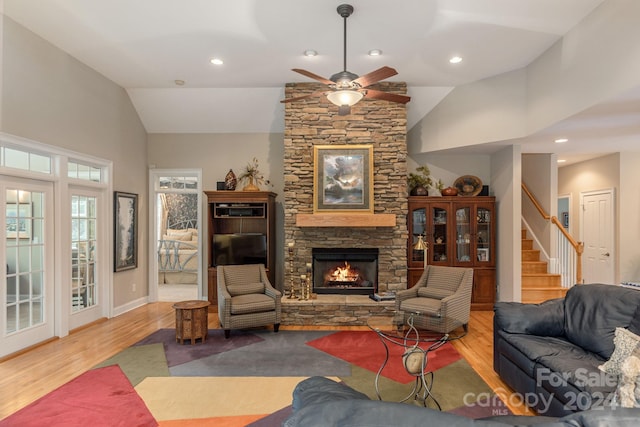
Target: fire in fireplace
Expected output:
[345,270]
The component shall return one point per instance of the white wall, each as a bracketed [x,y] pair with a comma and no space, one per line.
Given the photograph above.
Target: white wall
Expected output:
[50,97]
[539,173]
[629,215]
[506,173]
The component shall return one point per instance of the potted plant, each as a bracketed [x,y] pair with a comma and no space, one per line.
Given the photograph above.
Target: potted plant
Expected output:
[252,174]
[421,181]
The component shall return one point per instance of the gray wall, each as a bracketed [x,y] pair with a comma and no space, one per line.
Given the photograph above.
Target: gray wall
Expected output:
[50,97]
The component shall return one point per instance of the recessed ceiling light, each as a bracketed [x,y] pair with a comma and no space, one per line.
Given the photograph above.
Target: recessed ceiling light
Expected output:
[375,52]
[561,160]
[310,52]
[561,140]
[217,61]
[179,82]
[455,59]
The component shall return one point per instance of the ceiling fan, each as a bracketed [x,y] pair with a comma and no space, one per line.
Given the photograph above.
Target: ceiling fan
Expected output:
[347,88]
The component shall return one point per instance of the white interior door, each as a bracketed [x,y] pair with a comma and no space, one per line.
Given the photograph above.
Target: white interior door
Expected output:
[88,297]
[27,298]
[598,225]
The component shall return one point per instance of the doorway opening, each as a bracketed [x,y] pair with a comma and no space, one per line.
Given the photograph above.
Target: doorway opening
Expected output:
[176,272]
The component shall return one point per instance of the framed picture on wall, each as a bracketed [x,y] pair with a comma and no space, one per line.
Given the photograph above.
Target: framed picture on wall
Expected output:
[125,231]
[343,178]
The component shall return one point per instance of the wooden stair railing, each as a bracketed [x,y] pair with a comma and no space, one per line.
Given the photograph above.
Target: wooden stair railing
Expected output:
[578,247]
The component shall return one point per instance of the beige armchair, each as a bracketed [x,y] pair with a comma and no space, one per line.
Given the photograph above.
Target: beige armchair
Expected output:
[246,298]
[443,294]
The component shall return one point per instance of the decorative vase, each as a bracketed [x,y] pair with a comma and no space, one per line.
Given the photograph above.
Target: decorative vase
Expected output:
[449,191]
[251,186]
[419,190]
[230,180]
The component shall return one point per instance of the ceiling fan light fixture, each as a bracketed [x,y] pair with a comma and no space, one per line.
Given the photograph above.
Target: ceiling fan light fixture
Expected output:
[345,97]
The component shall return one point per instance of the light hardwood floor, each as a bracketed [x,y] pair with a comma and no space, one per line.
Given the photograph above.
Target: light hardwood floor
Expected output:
[34,373]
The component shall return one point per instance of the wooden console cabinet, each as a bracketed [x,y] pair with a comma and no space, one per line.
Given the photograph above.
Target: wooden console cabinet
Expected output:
[460,232]
[248,215]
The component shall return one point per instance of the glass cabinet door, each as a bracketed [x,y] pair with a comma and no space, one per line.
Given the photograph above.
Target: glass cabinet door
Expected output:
[463,235]
[483,235]
[418,236]
[439,239]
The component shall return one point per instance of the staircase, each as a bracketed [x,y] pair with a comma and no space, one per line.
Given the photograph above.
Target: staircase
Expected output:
[537,284]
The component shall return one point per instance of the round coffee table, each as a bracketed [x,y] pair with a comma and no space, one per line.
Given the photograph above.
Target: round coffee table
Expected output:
[396,328]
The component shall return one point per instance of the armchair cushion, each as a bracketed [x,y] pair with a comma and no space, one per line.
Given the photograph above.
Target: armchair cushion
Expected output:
[244,289]
[422,305]
[252,303]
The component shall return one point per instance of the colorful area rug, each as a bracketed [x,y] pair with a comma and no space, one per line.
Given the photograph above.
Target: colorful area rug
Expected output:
[248,380]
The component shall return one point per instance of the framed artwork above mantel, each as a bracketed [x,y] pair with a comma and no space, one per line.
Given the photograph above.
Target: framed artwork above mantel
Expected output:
[343,178]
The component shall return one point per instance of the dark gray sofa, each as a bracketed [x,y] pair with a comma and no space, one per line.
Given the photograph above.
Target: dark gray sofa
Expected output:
[549,353]
[321,402]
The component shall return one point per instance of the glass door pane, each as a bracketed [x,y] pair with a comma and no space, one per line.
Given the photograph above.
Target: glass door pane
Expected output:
[483,235]
[418,235]
[463,234]
[25,296]
[84,291]
[440,241]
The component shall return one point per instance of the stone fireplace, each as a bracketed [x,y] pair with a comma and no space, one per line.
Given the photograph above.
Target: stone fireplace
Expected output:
[345,270]
[315,121]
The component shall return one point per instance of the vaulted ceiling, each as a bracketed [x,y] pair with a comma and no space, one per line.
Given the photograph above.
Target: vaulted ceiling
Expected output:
[150,46]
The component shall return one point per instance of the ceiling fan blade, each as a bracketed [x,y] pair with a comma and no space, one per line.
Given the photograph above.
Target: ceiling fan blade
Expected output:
[313,76]
[298,98]
[375,76]
[385,96]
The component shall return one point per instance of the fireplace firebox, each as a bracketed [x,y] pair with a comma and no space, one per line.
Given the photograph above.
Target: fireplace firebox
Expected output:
[345,270]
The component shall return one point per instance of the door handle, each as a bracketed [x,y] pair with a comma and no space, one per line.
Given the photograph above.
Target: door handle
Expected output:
[606,254]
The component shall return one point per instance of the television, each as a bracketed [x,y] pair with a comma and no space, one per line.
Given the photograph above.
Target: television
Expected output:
[239,248]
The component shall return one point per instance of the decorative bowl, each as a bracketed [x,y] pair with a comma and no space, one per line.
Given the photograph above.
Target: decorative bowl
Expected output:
[449,191]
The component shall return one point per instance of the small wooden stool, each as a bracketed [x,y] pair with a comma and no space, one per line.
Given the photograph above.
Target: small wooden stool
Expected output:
[192,321]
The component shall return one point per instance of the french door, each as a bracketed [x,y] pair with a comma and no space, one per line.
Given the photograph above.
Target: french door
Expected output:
[27,296]
[87,290]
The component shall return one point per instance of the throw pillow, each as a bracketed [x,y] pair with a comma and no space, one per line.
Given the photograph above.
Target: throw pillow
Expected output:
[634,326]
[435,293]
[628,391]
[625,342]
[249,288]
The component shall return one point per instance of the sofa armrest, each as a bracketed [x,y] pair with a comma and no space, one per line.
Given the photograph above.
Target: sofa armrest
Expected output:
[544,319]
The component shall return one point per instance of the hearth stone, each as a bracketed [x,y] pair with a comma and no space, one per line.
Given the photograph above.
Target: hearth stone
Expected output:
[333,310]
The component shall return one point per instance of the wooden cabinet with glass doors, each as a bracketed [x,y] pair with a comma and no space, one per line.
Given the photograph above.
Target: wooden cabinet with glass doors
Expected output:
[457,232]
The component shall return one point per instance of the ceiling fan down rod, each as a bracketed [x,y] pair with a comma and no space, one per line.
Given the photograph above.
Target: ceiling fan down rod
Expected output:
[345,10]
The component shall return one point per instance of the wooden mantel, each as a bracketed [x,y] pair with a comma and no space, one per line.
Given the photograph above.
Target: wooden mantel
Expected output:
[345,220]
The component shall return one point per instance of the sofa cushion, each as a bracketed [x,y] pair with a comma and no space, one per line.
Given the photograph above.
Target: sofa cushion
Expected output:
[317,389]
[579,370]
[625,343]
[593,312]
[545,319]
[634,326]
